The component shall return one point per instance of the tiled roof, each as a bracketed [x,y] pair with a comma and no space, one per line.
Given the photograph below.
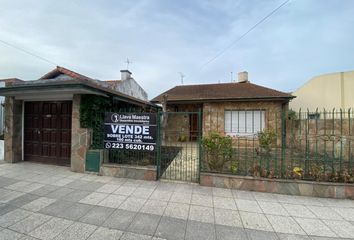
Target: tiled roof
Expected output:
[60,70]
[221,91]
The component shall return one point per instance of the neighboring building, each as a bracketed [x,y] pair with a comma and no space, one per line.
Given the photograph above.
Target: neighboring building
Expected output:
[128,85]
[42,117]
[236,109]
[328,91]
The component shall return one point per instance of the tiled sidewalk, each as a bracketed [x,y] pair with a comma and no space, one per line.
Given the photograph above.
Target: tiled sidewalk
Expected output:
[49,202]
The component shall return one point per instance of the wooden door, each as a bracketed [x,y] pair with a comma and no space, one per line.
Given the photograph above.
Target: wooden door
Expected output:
[47,132]
[193,127]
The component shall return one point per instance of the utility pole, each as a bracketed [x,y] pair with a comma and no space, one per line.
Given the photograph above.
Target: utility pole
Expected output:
[231,76]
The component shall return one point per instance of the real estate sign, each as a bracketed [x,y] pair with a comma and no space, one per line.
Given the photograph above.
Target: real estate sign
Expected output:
[130,131]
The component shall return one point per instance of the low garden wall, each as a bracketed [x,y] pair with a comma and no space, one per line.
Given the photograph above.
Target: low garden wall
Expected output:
[281,186]
[127,171]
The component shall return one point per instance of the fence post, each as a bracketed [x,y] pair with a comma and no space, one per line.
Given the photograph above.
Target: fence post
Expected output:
[283,140]
[158,146]
[200,122]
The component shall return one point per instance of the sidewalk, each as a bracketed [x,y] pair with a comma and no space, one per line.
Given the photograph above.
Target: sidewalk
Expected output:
[50,202]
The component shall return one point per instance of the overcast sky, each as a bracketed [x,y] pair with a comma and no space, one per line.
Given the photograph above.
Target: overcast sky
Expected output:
[164,37]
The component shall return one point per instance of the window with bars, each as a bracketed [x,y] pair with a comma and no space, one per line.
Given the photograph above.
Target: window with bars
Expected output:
[244,122]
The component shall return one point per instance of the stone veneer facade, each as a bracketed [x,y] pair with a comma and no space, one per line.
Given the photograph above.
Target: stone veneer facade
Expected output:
[80,138]
[281,186]
[13,130]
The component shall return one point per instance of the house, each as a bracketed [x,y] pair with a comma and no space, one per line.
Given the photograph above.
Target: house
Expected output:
[237,109]
[43,118]
[328,91]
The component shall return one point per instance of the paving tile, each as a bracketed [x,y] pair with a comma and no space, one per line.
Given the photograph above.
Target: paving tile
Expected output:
[45,190]
[226,203]
[31,187]
[202,200]
[18,186]
[56,208]
[10,196]
[273,208]
[60,193]
[144,223]
[325,212]
[77,231]
[154,207]
[91,186]
[260,235]
[112,201]
[76,196]
[248,206]
[315,227]
[22,200]
[171,228]
[142,192]
[103,233]
[38,204]
[161,195]
[13,217]
[94,198]
[285,236]
[285,224]
[77,184]
[97,215]
[184,188]
[5,208]
[227,217]
[28,224]
[202,214]
[120,219]
[203,190]
[239,194]
[342,228]
[181,197]
[265,197]
[255,221]
[51,229]
[200,231]
[346,213]
[28,238]
[222,192]
[125,190]
[166,186]
[108,188]
[230,233]
[133,204]
[7,234]
[134,236]
[177,210]
[298,211]
[75,211]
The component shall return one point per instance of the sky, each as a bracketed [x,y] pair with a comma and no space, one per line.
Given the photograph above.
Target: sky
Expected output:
[162,38]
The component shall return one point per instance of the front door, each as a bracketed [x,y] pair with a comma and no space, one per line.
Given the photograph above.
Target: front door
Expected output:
[47,132]
[193,127]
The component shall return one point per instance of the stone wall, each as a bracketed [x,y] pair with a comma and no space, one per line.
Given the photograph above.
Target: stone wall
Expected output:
[80,138]
[13,130]
[290,187]
[127,171]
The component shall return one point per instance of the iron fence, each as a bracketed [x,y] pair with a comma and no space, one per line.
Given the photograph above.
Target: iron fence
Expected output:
[305,145]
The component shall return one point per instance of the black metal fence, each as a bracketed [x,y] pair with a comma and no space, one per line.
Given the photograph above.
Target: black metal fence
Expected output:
[302,145]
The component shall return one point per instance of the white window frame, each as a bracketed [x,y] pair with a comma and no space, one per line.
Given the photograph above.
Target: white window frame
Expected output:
[246,126]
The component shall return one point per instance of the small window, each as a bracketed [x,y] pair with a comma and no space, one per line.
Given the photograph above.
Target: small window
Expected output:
[244,122]
[314,116]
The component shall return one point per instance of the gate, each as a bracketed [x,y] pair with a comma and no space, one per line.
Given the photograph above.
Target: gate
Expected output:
[179,145]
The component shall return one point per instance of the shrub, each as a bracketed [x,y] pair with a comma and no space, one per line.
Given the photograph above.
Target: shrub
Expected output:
[217,151]
[266,139]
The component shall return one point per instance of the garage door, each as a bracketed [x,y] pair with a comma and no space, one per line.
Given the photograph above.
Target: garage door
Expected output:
[47,132]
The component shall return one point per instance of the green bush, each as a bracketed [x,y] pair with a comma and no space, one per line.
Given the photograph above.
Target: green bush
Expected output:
[267,138]
[217,151]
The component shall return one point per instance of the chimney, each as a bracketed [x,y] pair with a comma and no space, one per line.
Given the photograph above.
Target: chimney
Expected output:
[243,77]
[125,74]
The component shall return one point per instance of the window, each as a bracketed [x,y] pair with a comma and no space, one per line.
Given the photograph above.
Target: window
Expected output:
[244,122]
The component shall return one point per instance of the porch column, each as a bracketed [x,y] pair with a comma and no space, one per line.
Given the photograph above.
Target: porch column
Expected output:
[80,138]
[13,130]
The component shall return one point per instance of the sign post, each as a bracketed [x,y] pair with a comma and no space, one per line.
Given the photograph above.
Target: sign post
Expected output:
[130,131]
